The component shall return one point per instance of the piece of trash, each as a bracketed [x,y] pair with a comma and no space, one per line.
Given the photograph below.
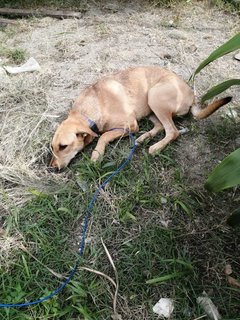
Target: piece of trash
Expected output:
[237,56]
[183,130]
[29,66]
[164,307]
[208,306]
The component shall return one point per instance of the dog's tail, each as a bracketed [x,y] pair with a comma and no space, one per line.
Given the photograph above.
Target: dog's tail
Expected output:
[200,113]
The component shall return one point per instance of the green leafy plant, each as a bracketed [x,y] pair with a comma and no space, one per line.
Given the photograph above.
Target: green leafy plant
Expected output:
[227,173]
[228,47]
[219,88]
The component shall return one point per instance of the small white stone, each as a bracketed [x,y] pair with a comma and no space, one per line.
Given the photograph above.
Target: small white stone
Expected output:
[163,200]
[237,56]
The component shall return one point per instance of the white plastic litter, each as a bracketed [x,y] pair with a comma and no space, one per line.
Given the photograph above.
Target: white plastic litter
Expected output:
[29,66]
[183,130]
[164,307]
[208,306]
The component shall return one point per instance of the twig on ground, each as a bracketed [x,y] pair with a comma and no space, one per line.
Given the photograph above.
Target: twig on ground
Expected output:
[59,14]
[116,277]
[100,274]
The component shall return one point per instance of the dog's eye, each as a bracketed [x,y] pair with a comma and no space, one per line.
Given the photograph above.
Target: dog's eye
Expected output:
[62,147]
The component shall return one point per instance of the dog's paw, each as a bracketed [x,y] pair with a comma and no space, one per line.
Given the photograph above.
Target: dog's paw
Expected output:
[143,137]
[95,156]
[153,149]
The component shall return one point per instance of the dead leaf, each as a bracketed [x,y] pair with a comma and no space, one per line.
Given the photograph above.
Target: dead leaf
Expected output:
[116,316]
[228,269]
[233,282]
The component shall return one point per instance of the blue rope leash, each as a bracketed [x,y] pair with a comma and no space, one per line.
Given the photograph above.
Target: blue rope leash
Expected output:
[84,231]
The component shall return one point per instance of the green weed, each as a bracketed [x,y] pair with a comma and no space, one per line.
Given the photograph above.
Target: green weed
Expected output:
[14,55]
[130,214]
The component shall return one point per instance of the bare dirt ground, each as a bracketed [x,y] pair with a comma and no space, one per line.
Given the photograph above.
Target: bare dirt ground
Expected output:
[75,53]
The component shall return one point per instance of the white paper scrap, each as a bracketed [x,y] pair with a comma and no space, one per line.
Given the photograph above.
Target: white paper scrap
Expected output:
[164,307]
[29,66]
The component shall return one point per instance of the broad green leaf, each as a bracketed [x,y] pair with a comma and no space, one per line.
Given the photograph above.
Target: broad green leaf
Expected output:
[166,277]
[128,216]
[234,219]
[183,263]
[37,193]
[231,45]
[184,207]
[63,209]
[219,88]
[226,174]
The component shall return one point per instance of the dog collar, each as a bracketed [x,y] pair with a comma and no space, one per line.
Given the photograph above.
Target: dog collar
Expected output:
[92,125]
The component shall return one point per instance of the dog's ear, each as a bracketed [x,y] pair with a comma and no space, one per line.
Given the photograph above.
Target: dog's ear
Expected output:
[87,136]
[84,133]
[81,135]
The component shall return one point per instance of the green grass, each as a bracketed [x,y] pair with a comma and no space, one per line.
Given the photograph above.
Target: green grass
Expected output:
[152,261]
[17,55]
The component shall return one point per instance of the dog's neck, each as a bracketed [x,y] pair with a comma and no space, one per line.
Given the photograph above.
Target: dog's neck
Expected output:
[92,124]
[84,120]
[87,108]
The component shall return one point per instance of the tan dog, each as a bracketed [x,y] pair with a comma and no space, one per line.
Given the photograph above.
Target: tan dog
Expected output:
[119,101]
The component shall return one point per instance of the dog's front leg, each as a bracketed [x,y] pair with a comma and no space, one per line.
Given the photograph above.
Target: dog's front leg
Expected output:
[104,139]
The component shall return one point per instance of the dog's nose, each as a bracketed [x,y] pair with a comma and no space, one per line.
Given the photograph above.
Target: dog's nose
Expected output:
[53,166]
[53,163]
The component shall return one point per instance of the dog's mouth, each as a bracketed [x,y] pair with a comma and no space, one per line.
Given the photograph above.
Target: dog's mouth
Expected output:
[55,170]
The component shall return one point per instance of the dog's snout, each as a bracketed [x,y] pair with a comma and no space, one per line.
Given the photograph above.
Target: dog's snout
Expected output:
[53,163]
[54,166]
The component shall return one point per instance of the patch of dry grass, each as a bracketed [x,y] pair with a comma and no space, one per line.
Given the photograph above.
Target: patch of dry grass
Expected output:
[10,245]
[25,125]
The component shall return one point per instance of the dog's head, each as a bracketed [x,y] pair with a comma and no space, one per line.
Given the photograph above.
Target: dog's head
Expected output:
[70,137]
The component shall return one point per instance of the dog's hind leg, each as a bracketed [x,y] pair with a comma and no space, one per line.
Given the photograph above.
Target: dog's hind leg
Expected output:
[152,133]
[171,134]
[164,101]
